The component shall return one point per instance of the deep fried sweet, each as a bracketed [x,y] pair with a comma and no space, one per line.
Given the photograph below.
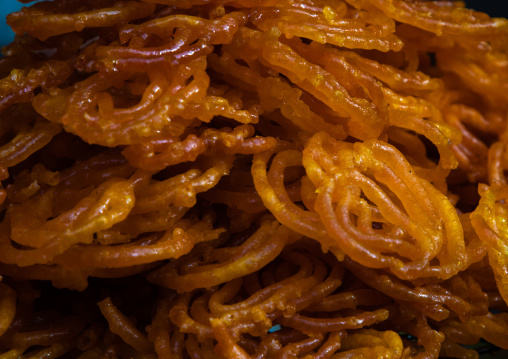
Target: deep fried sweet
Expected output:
[253,179]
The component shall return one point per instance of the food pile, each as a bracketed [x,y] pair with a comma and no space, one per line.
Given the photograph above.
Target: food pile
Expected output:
[253,179]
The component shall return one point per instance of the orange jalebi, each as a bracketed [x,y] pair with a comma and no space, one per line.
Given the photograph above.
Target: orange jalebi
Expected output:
[253,179]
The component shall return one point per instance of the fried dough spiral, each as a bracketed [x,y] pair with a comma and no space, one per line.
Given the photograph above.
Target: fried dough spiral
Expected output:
[253,179]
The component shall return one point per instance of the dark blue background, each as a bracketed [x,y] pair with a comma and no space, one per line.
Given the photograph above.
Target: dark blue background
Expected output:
[6,7]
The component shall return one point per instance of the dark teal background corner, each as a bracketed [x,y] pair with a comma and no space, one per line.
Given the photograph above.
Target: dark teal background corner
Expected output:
[6,7]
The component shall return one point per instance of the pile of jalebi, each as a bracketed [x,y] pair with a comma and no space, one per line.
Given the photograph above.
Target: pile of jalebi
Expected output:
[253,179]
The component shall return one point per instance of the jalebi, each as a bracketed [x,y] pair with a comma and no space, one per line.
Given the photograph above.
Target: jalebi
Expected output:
[248,179]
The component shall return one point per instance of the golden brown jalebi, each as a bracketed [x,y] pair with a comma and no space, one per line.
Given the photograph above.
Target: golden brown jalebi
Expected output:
[253,179]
